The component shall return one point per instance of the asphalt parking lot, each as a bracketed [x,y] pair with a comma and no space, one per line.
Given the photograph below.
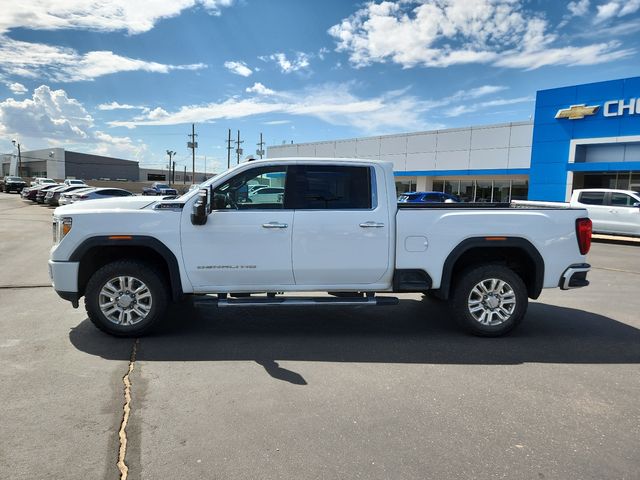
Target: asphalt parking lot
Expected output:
[372,393]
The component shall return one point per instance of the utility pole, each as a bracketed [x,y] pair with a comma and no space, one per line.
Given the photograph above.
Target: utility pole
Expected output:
[260,150]
[193,145]
[173,172]
[229,150]
[171,153]
[184,178]
[238,149]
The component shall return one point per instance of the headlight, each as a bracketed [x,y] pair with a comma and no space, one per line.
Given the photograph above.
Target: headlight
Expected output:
[61,226]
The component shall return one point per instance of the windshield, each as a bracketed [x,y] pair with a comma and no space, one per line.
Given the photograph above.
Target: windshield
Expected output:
[14,179]
[162,185]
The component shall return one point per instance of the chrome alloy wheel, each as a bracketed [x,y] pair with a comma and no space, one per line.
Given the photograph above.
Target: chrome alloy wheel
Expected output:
[492,301]
[125,300]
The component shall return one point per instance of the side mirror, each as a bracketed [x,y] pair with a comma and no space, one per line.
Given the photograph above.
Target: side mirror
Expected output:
[637,204]
[201,208]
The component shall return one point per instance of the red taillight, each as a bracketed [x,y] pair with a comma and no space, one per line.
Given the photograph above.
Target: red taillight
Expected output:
[583,232]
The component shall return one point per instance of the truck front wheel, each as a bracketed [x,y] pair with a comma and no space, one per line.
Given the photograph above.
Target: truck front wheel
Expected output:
[126,298]
[489,300]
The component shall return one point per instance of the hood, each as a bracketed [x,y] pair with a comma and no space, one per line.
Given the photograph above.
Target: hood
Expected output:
[117,203]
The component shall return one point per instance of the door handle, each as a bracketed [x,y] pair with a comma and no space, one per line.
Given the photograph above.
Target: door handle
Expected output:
[274,225]
[371,225]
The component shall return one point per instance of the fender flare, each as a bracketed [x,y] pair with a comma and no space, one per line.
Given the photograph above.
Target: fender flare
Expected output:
[493,242]
[136,241]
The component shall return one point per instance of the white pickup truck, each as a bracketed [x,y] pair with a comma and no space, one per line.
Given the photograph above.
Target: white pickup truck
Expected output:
[332,225]
[615,212]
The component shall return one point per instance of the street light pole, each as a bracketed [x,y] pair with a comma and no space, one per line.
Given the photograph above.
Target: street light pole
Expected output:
[171,153]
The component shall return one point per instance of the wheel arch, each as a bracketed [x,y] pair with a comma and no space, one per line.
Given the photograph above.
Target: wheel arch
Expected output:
[96,252]
[516,252]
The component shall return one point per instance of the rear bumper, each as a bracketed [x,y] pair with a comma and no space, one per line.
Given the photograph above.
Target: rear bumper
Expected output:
[575,276]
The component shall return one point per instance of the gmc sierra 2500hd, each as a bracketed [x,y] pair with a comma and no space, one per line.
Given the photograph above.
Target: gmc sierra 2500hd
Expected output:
[335,226]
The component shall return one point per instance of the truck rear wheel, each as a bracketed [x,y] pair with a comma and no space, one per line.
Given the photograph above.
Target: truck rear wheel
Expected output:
[489,300]
[126,298]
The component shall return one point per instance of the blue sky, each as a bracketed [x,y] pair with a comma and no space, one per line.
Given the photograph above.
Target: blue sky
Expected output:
[128,80]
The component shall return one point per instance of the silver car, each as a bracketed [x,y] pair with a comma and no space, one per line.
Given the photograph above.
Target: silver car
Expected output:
[67,197]
[98,193]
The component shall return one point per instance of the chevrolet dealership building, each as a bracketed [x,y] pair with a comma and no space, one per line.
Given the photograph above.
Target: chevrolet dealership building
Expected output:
[582,136]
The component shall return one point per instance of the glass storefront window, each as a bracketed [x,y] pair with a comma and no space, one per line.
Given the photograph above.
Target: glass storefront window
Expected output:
[635,182]
[404,186]
[451,186]
[519,190]
[483,191]
[466,190]
[501,190]
[438,186]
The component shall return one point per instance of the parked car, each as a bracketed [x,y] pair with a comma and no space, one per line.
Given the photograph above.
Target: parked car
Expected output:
[335,231]
[32,192]
[266,195]
[428,197]
[43,191]
[53,196]
[12,184]
[72,181]
[67,197]
[42,181]
[612,211]
[158,188]
[98,193]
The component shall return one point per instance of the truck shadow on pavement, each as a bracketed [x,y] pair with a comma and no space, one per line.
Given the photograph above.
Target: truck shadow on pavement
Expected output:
[414,332]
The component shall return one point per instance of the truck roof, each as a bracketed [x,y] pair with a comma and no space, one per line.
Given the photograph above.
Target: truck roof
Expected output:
[613,190]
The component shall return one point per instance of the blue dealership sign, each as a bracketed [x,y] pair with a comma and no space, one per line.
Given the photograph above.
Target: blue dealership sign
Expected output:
[595,113]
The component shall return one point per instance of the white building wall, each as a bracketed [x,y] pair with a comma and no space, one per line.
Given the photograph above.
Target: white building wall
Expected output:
[503,146]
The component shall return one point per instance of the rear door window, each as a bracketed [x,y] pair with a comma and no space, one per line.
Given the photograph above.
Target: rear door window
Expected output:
[329,187]
[592,198]
[622,200]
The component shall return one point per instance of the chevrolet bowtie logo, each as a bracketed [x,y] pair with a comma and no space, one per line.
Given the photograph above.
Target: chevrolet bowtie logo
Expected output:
[576,112]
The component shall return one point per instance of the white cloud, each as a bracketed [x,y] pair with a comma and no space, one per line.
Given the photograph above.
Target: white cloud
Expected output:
[117,106]
[37,60]
[17,88]
[133,16]
[52,118]
[277,122]
[440,33]
[466,109]
[617,8]
[333,103]
[299,62]
[259,89]
[239,68]
[578,8]
[572,56]
[157,113]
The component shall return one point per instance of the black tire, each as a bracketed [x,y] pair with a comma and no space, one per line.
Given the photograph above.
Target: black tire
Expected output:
[485,321]
[142,272]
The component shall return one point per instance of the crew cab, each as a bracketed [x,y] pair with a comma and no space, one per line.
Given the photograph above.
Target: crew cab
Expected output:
[336,228]
[157,188]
